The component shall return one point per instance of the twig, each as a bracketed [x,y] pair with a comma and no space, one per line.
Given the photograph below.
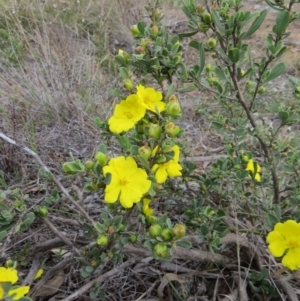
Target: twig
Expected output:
[57,182]
[147,291]
[196,255]
[33,270]
[101,278]
[61,236]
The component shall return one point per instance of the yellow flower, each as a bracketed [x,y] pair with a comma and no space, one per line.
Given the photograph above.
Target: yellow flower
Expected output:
[126,114]
[128,182]
[285,240]
[18,292]
[146,209]
[11,276]
[169,169]
[39,274]
[151,98]
[254,170]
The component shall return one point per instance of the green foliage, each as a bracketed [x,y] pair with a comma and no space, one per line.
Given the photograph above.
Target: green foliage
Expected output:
[12,49]
[10,208]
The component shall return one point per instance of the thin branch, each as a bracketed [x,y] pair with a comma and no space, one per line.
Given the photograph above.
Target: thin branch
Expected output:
[101,278]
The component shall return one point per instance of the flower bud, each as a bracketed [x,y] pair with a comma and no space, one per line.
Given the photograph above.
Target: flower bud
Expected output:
[135,30]
[203,27]
[111,230]
[166,234]
[178,231]
[161,250]
[155,131]
[133,238]
[151,219]
[173,108]
[121,228]
[102,240]
[297,90]
[140,49]
[161,159]
[101,158]
[200,9]
[261,90]
[43,211]
[155,230]
[89,165]
[208,67]
[206,18]
[172,130]
[212,43]
[167,149]
[154,30]
[157,13]
[10,263]
[249,84]
[145,151]
[124,54]
[245,158]
[242,73]
[128,84]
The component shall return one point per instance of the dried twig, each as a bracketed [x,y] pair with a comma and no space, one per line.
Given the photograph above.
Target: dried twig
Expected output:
[101,278]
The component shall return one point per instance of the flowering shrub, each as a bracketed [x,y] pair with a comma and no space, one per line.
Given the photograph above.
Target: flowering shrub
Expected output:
[151,169]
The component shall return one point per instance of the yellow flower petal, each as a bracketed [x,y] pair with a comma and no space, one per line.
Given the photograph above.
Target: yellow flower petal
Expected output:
[161,174]
[126,114]
[277,245]
[39,274]
[128,182]
[151,99]
[292,259]
[285,238]
[173,169]
[19,292]
[254,170]
[146,209]
[8,275]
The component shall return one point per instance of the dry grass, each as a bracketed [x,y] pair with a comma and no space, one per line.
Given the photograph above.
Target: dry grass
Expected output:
[57,71]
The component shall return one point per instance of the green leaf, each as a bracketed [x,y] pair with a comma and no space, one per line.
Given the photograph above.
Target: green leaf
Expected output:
[99,228]
[117,221]
[170,91]
[3,234]
[102,148]
[234,55]
[183,243]
[283,116]
[282,22]
[187,89]
[124,72]
[141,27]
[275,72]
[216,19]
[255,25]
[144,162]
[187,34]
[271,220]
[217,125]
[107,179]
[200,48]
